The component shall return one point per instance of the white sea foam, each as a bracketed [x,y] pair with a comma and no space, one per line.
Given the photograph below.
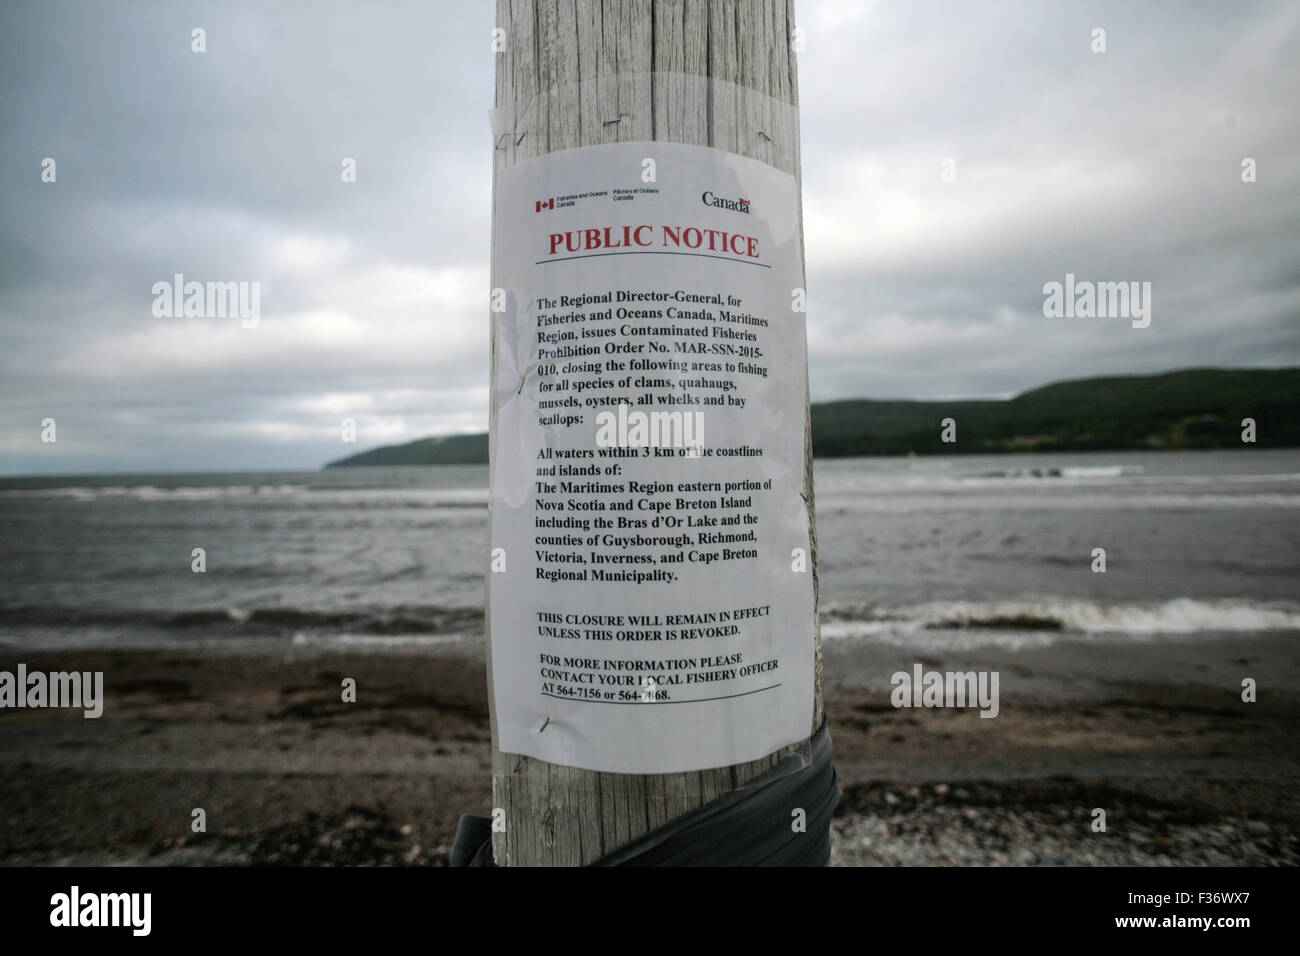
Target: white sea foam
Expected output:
[892,502]
[376,641]
[333,497]
[1037,623]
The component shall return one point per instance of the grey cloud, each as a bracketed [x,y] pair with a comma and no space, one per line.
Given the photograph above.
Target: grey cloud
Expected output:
[225,165]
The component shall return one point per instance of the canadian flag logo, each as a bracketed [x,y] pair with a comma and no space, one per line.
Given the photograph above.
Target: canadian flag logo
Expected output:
[545,204]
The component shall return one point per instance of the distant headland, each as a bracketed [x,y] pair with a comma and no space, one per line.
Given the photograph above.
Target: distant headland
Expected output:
[1190,408]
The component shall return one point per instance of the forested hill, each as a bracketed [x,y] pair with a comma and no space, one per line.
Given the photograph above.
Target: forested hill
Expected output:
[1193,408]
[446,450]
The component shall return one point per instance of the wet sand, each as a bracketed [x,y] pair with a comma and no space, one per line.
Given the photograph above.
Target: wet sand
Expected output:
[287,773]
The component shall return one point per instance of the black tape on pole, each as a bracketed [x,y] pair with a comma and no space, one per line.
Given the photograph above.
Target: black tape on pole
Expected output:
[752,826]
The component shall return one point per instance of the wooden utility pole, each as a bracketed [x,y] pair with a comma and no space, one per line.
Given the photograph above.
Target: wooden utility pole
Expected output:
[575,73]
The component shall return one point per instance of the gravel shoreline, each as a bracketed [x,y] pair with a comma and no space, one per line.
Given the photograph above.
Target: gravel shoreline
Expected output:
[288,774]
[1046,823]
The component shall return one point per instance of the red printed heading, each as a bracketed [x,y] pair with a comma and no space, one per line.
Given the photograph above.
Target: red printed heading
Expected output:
[691,238]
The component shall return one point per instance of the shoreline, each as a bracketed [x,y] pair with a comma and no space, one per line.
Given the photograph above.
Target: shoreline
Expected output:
[289,774]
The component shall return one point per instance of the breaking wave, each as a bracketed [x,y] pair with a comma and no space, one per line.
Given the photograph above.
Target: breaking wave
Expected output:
[1043,621]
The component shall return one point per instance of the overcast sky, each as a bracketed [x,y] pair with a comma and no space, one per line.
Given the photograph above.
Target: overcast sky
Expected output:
[225,165]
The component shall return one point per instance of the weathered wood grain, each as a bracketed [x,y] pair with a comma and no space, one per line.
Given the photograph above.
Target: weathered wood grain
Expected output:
[717,73]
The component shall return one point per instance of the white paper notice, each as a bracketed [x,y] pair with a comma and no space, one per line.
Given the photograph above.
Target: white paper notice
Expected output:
[650,598]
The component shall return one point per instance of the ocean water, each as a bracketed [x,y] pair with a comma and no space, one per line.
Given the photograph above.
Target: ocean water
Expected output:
[962,552]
